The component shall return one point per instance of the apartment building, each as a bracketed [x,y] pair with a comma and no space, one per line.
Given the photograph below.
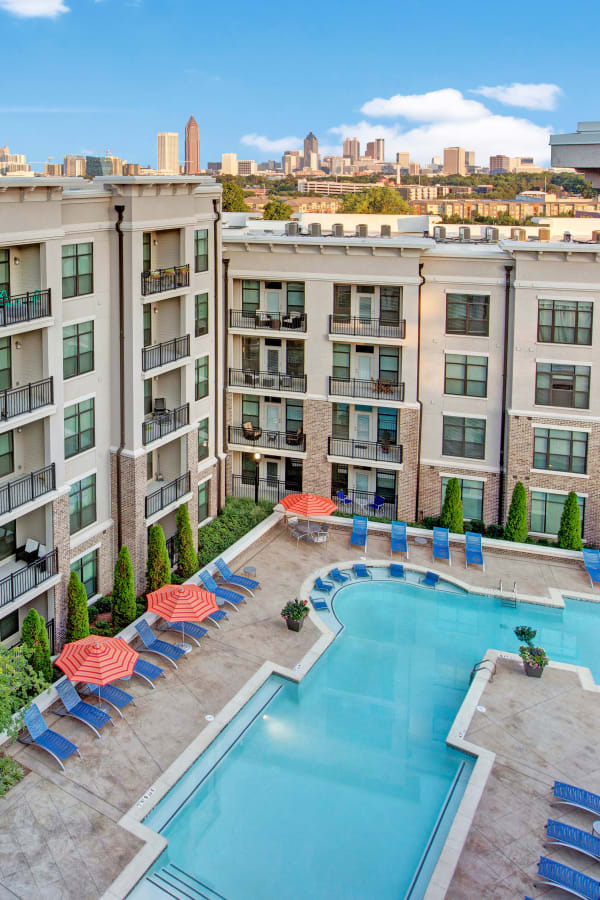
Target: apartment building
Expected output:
[372,365]
[100,436]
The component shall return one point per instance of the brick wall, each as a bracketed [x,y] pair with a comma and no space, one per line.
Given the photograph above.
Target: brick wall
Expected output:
[61,540]
[430,490]
[406,480]
[192,461]
[133,529]
[316,474]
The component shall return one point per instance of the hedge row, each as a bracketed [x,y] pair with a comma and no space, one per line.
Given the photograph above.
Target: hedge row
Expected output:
[239,516]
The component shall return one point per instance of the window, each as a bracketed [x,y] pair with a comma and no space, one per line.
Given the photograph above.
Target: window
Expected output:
[5,364]
[147,325]
[385,486]
[389,305]
[471,493]
[251,354]
[546,510]
[9,625]
[147,252]
[202,377]
[341,361]
[7,456]
[77,270]
[557,384]
[463,437]
[250,297]
[340,421]
[201,314]
[8,539]
[387,425]
[294,416]
[341,302]
[82,503]
[249,467]
[79,427]
[149,466]
[563,451]
[466,375]
[147,396]
[339,478]
[78,349]
[5,271]
[201,250]
[86,568]
[468,314]
[295,297]
[203,447]
[295,357]
[565,322]
[389,364]
[203,501]
[251,409]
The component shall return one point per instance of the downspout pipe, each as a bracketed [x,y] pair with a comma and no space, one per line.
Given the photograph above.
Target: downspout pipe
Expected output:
[120,210]
[219,408]
[418,398]
[503,416]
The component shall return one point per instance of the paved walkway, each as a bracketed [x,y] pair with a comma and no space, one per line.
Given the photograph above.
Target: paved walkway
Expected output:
[59,835]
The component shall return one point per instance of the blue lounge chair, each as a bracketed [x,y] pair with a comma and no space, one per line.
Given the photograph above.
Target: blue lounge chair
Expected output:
[148,671]
[591,561]
[341,498]
[43,737]
[377,504]
[75,708]
[430,579]
[358,538]
[187,629]
[249,584]
[399,543]
[567,879]
[112,695]
[441,544]
[396,570]
[318,604]
[217,616]
[567,795]
[153,645]
[361,571]
[339,576]
[473,552]
[323,585]
[561,835]
[234,599]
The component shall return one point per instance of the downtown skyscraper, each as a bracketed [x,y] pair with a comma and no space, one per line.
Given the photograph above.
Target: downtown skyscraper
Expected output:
[192,147]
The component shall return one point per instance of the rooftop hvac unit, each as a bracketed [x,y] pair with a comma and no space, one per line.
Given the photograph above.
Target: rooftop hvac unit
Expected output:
[337,230]
[491,234]
[464,233]
[386,231]
[291,228]
[567,236]
[314,229]
[439,232]
[543,234]
[596,237]
[362,231]
[518,234]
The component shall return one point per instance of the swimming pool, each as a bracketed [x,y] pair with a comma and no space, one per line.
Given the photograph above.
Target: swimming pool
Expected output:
[334,785]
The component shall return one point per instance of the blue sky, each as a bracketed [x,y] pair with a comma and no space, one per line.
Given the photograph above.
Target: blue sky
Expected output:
[89,75]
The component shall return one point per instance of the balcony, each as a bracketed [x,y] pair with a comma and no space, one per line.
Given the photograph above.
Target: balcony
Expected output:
[167,494]
[165,423]
[366,503]
[167,352]
[267,381]
[27,577]
[294,322]
[267,440]
[24,308]
[23,490]
[357,327]
[21,400]
[365,450]
[165,279]
[268,489]
[373,389]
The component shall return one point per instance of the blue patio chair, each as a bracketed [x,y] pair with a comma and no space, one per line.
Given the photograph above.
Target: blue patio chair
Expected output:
[361,571]
[75,708]
[341,498]
[153,645]
[473,551]
[441,544]
[217,616]
[148,671]
[318,604]
[430,579]
[567,795]
[591,561]
[323,585]
[358,538]
[396,570]
[399,542]
[43,737]
[567,879]
[562,835]
[338,576]
[249,584]
[225,594]
[112,695]
[378,504]
[187,629]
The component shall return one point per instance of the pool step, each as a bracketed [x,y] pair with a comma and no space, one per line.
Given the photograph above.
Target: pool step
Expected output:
[172,881]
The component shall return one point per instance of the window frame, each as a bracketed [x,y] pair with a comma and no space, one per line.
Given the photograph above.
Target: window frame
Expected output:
[471,301]
[203,439]
[78,514]
[466,360]
[558,435]
[554,328]
[79,353]
[9,454]
[78,413]
[461,481]
[554,369]
[201,259]
[200,323]
[77,275]
[79,566]
[204,487]
[464,423]
[552,497]
[201,363]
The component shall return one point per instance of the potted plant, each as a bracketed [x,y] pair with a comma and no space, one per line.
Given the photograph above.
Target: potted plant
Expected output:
[534,658]
[294,612]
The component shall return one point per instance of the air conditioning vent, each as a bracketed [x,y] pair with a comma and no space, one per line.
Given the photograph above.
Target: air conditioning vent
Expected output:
[439,232]
[314,229]
[491,234]
[543,234]
[291,228]
[386,231]
[517,234]
[596,237]
[464,233]
[362,231]
[567,236]
[337,230]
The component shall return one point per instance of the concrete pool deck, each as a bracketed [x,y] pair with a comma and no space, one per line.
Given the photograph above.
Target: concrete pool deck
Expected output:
[59,834]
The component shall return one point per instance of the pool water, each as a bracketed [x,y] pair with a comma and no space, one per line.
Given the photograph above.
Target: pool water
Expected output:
[333,790]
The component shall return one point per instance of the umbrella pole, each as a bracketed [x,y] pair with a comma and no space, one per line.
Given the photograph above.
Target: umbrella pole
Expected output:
[187,648]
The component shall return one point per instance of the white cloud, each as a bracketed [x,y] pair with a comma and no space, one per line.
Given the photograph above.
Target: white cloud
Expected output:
[529,96]
[30,9]
[266,145]
[444,105]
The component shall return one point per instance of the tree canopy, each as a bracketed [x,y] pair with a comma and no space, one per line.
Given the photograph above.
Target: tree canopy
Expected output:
[233,198]
[375,200]
[277,209]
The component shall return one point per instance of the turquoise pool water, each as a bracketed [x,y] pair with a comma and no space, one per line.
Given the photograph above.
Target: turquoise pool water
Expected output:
[333,789]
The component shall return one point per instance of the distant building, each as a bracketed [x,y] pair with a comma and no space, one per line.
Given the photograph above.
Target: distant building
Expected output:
[379,149]
[500,164]
[192,147]
[98,165]
[311,145]
[291,161]
[469,158]
[370,151]
[229,164]
[579,150]
[352,148]
[410,192]
[167,144]
[246,167]
[414,168]
[131,168]
[74,166]
[455,161]
[330,187]
[13,163]
[403,160]
[53,169]
[213,167]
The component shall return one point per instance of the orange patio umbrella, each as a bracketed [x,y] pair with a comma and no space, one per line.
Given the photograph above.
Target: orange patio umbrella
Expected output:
[181,603]
[308,505]
[97,660]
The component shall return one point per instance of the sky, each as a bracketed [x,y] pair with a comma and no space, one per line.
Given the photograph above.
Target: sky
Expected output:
[83,76]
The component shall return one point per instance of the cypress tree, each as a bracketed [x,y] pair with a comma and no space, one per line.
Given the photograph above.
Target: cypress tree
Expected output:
[123,597]
[158,569]
[516,523]
[78,625]
[187,558]
[569,533]
[34,635]
[452,512]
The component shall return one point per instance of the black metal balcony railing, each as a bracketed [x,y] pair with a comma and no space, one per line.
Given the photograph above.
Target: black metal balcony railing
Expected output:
[261,319]
[18,583]
[267,381]
[167,494]
[167,352]
[358,327]
[268,489]
[165,279]
[355,449]
[24,308]
[172,550]
[17,401]
[160,425]
[366,503]
[374,389]
[28,488]
[270,440]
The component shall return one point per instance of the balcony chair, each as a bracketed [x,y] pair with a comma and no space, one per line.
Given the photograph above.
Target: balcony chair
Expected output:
[296,438]
[251,432]
[378,504]
[159,406]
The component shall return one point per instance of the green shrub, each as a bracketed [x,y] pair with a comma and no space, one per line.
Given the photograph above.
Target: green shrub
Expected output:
[123,596]
[495,531]
[103,605]
[452,513]
[104,629]
[19,682]
[141,606]
[187,558]
[431,522]
[516,523]
[34,634]
[477,525]
[569,533]
[78,625]
[239,516]
[158,569]
[10,774]
[92,612]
